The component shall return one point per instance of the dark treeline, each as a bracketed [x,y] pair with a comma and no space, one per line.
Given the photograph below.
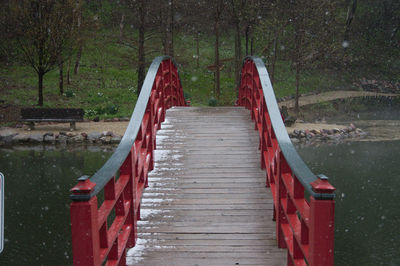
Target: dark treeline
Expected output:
[342,35]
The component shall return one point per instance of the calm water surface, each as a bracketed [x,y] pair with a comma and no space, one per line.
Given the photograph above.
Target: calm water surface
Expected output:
[367,178]
[366,175]
[37,222]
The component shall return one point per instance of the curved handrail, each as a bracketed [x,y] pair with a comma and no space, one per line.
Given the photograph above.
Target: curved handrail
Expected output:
[102,233]
[107,171]
[297,165]
[304,225]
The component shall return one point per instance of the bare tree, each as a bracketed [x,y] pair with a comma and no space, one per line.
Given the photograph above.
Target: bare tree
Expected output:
[236,8]
[6,33]
[218,8]
[351,11]
[44,29]
[141,5]
[169,29]
[310,22]
[79,23]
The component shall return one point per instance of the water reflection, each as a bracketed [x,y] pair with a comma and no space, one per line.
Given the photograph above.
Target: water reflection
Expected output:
[366,175]
[37,222]
[367,178]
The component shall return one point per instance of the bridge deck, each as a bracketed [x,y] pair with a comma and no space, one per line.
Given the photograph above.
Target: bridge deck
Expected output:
[207,203]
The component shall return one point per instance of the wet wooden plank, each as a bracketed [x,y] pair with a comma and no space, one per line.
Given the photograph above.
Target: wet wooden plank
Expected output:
[207,203]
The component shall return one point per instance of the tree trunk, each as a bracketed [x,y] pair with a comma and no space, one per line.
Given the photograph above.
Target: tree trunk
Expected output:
[61,77]
[80,41]
[273,63]
[167,27]
[69,71]
[163,31]
[217,71]
[121,27]
[350,15]
[247,39]
[141,53]
[40,91]
[198,50]
[171,15]
[251,45]
[298,68]
[238,55]
[78,58]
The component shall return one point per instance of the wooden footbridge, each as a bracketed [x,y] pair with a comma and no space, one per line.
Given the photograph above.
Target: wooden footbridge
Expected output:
[200,186]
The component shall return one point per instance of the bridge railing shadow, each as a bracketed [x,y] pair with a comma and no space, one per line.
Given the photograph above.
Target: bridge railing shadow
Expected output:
[303,202]
[106,206]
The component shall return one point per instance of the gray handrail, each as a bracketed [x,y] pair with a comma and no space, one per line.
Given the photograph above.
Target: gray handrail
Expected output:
[108,170]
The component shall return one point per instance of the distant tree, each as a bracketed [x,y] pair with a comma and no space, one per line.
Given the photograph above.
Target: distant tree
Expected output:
[44,30]
[218,8]
[141,9]
[310,35]
[122,11]
[192,17]
[244,13]
[250,17]
[372,28]
[236,8]
[79,30]
[274,21]
[351,11]
[6,33]
[168,39]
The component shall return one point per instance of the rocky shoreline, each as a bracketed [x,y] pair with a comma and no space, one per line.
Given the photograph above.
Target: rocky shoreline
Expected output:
[12,138]
[326,135]
[108,137]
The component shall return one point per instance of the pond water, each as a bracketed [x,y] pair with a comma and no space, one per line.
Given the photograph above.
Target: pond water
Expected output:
[366,175]
[367,178]
[37,182]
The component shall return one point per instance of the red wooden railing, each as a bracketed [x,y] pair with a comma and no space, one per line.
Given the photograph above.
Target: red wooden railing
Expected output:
[304,226]
[102,234]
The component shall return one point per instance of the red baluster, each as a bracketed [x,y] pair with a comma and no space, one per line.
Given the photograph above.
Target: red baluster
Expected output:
[84,223]
[321,225]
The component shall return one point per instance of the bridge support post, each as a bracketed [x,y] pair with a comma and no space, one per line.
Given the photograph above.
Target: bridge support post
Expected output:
[322,232]
[84,225]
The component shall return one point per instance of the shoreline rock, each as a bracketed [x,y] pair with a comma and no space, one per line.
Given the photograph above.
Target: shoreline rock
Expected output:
[300,136]
[326,135]
[107,137]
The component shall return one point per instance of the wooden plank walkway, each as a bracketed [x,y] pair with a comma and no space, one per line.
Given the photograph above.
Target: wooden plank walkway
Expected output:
[207,203]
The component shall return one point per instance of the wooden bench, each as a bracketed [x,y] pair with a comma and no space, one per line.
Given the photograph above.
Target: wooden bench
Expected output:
[62,115]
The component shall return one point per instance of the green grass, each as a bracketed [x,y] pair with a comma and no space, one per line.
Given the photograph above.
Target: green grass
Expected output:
[106,84]
[311,80]
[105,77]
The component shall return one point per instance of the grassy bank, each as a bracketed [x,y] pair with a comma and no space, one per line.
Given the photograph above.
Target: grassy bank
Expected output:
[107,82]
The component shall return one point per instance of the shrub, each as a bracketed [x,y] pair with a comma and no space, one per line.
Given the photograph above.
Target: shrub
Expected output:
[69,93]
[212,102]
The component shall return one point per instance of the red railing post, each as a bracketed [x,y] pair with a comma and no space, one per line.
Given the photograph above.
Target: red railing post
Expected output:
[129,169]
[95,239]
[321,229]
[84,224]
[281,193]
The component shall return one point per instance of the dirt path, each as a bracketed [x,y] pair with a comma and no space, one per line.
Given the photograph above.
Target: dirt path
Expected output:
[333,95]
[316,126]
[119,128]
